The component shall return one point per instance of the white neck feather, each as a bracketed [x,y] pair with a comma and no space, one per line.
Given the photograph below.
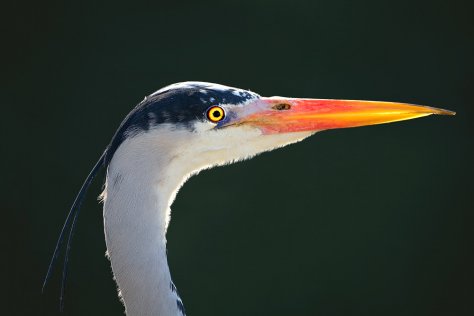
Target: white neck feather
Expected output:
[142,181]
[137,202]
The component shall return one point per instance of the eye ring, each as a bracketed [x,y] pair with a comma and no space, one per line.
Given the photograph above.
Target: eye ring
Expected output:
[215,114]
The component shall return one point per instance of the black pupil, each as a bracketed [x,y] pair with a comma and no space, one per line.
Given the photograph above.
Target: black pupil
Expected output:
[216,114]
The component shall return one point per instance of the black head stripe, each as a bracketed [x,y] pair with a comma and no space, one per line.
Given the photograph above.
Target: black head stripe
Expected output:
[179,104]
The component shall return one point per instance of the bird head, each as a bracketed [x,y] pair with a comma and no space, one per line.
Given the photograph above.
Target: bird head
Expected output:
[202,124]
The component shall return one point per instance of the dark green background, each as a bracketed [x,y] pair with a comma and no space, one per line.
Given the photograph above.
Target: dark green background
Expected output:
[368,221]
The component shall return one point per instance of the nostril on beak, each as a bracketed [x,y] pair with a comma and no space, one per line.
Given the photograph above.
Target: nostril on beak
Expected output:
[281,106]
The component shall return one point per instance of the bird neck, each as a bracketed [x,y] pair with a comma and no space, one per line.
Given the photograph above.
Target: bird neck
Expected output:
[143,178]
[137,197]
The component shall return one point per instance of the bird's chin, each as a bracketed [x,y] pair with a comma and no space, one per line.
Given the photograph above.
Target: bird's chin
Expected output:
[283,139]
[240,142]
[268,141]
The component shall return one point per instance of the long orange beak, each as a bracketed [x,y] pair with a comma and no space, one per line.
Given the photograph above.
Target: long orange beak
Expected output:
[283,115]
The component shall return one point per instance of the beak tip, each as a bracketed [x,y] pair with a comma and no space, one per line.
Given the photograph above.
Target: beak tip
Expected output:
[444,112]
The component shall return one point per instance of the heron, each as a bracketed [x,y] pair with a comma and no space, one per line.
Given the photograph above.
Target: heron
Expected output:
[173,134]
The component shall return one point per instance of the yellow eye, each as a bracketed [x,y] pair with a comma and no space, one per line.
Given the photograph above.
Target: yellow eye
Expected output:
[215,114]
